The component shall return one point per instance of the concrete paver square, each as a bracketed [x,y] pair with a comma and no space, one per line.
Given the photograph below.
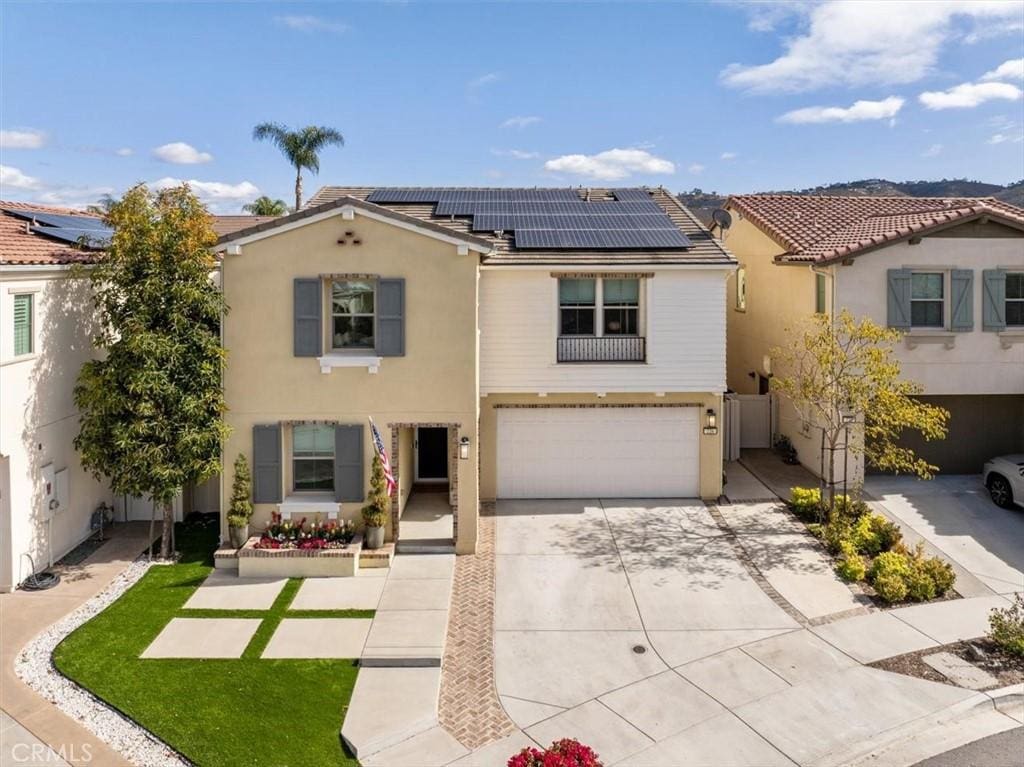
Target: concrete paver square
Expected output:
[722,741]
[567,527]
[646,526]
[873,636]
[959,671]
[799,656]
[338,594]
[412,630]
[760,518]
[733,678]
[432,748]
[224,590]
[388,706]
[318,638]
[559,592]
[603,730]
[416,594]
[679,647]
[203,638]
[953,620]
[422,566]
[662,705]
[566,668]
[743,487]
[527,712]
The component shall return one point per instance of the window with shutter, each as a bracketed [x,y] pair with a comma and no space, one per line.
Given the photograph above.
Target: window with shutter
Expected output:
[820,304]
[23,341]
[1015,299]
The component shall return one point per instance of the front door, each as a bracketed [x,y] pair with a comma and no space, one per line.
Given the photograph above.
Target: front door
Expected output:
[431,454]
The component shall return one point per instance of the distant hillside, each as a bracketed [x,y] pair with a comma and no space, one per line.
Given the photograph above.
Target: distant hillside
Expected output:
[702,203]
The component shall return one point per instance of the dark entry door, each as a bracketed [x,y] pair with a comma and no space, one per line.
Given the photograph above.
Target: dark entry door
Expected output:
[432,453]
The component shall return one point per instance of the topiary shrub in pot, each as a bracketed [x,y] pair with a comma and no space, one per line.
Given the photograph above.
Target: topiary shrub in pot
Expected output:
[375,512]
[240,509]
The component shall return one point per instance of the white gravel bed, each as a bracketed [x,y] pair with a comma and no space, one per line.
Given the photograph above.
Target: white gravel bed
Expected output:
[34,666]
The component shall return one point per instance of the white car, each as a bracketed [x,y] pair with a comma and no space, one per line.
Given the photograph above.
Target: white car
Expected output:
[1004,478]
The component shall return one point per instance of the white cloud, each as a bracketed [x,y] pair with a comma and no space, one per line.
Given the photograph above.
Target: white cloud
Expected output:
[124,151]
[969,95]
[14,178]
[728,156]
[858,112]
[765,16]
[696,168]
[1008,70]
[180,153]
[27,138]
[933,151]
[311,24]
[610,165]
[73,196]
[218,196]
[516,154]
[866,42]
[482,80]
[520,121]
[1007,138]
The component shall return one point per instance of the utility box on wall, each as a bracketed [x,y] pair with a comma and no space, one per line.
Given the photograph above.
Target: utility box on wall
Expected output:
[55,491]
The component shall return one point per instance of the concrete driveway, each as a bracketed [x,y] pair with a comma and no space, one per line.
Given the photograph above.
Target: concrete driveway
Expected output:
[632,626]
[954,515]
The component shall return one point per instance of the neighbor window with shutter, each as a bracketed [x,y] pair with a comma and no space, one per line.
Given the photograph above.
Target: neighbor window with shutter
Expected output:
[1015,299]
[927,300]
[23,341]
[352,314]
[312,458]
[820,303]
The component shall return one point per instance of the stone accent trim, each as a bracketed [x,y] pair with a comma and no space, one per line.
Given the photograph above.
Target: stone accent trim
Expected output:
[604,275]
[545,405]
[453,474]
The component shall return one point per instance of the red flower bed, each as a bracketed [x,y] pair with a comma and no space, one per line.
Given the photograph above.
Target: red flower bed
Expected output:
[285,534]
[567,752]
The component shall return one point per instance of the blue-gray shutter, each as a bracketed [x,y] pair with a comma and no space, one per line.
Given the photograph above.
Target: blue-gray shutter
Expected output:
[391,317]
[348,462]
[993,300]
[308,317]
[266,463]
[961,283]
[898,298]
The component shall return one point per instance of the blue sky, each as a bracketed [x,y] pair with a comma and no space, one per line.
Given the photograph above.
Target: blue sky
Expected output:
[720,95]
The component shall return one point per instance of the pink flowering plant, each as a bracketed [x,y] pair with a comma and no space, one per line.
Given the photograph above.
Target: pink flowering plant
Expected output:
[567,752]
[286,534]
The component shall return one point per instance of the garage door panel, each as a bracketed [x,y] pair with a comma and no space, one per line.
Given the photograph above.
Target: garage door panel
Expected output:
[588,452]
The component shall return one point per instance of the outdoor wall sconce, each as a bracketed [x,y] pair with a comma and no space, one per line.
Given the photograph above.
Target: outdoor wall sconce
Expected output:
[710,422]
[464,448]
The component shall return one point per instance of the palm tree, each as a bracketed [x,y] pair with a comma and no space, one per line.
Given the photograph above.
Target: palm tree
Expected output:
[102,206]
[264,206]
[301,147]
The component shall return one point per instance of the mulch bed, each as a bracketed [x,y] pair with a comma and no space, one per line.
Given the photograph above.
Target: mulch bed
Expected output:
[1007,668]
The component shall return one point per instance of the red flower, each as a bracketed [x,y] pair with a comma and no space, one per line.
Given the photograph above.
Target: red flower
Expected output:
[567,752]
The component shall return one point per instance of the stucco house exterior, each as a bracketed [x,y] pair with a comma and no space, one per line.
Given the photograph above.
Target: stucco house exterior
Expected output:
[497,363]
[947,272]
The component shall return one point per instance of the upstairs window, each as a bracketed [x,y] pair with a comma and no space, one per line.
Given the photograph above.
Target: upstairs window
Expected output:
[312,458]
[927,300]
[1015,299]
[352,314]
[577,306]
[23,335]
[820,299]
[741,289]
[621,307]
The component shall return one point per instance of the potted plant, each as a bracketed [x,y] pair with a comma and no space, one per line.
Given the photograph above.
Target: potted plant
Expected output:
[375,512]
[240,511]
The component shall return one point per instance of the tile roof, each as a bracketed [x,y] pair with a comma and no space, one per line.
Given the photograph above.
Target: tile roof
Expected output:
[705,248]
[20,246]
[223,225]
[820,228]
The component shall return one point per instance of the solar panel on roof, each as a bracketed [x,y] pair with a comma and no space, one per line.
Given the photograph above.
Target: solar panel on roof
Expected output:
[557,208]
[492,222]
[57,219]
[601,240]
[92,237]
[631,194]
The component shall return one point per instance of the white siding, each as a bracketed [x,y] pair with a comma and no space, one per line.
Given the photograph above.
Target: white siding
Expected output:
[685,328]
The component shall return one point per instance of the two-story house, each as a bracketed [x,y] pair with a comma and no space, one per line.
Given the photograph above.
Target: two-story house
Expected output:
[508,343]
[948,273]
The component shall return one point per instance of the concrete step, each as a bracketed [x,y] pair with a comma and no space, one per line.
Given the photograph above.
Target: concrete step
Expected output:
[388,706]
[426,546]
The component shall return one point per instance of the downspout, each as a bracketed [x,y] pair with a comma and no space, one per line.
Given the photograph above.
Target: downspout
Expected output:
[831,311]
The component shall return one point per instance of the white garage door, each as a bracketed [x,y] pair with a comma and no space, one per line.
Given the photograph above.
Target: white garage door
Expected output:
[605,452]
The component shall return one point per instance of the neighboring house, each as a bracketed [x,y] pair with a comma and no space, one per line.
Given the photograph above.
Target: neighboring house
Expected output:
[948,273]
[47,324]
[507,344]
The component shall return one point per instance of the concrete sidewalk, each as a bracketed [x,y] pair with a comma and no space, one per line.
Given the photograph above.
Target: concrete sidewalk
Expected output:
[25,614]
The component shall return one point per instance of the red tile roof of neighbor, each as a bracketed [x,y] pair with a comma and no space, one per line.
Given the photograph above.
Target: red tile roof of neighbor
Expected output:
[20,246]
[821,229]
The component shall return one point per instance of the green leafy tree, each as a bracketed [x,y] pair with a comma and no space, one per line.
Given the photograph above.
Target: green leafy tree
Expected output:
[265,206]
[375,512]
[240,510]
[301,147]
[152,406]
[833,371]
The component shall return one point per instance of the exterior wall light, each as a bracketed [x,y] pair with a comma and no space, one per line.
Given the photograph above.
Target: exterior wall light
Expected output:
[464,448]
[710,422]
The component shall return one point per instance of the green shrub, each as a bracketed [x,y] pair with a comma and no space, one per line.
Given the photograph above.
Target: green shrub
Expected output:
[1006,626]
[873,534]
[941,574]
[890,587]
[922,577]
[848,509]
[920,586]
[806,502]
[889,574]
[850,566]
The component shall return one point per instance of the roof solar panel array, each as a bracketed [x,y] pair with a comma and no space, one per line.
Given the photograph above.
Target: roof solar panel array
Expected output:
[89,231]
[553,218]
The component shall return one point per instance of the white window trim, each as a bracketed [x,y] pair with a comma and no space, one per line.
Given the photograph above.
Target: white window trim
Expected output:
[33,325]
[341,359]
[312,495]
[641,308]
[741,282]
[309,504]
[1012,328]
[931,329]
[358,351]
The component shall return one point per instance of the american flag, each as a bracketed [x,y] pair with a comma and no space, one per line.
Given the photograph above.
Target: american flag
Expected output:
[378,445]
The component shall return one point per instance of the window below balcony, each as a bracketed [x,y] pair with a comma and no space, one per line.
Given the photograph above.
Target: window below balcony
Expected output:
[599,320]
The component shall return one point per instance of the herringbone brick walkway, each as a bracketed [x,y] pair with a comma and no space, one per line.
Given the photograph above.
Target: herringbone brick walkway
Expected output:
[469,708]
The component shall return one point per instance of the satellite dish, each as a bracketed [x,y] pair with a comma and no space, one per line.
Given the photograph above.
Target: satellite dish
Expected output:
[722,218]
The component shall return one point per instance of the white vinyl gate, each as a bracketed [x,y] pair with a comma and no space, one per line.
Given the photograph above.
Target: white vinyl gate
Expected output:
[748,423]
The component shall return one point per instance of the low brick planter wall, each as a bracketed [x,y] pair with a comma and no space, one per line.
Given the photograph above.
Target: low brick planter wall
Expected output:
[298,563]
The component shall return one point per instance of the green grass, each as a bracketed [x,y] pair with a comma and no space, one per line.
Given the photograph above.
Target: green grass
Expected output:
[218,713]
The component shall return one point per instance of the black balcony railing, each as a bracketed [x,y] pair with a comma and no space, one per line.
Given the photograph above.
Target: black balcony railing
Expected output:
[605,349]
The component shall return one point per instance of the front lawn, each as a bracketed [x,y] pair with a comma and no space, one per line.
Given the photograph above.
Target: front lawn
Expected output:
[220,713]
